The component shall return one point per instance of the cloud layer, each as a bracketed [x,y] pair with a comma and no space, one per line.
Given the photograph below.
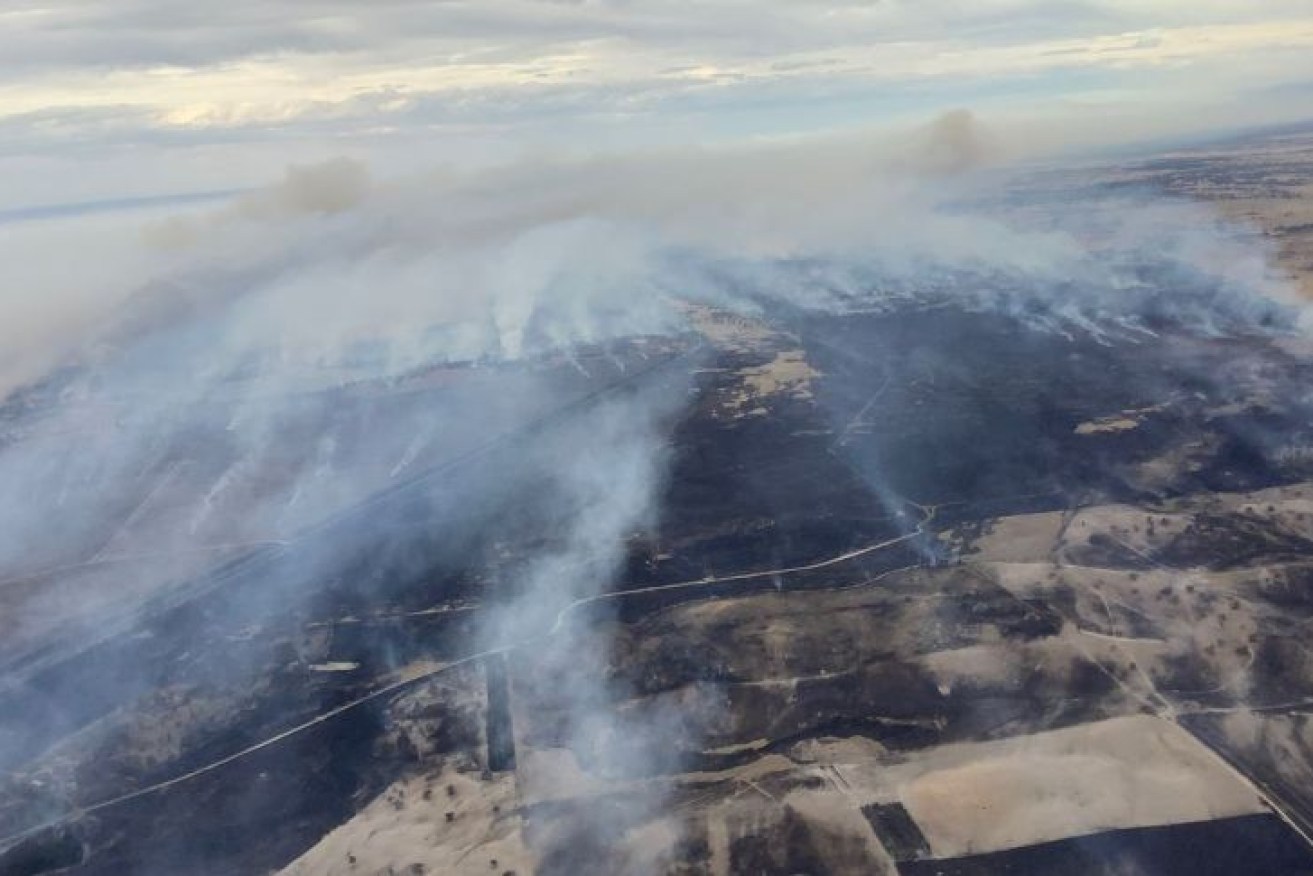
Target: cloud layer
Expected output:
[83,76]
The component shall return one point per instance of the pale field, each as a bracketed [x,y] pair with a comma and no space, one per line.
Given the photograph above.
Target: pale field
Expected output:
[1265,184]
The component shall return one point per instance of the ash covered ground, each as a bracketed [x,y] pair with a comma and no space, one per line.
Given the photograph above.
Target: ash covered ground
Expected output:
[967,577]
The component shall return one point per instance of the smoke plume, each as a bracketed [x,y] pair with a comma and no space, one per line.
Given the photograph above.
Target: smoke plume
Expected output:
[175,390]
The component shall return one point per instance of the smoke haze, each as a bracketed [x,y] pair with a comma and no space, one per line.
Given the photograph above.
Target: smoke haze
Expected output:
[176,385]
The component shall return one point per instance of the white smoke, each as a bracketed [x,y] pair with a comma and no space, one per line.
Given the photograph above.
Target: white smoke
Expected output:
[203,352]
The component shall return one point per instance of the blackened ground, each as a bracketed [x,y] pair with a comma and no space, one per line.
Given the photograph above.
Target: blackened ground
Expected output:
[1276,766]
[263,808]
[898,833]
[234,638]
[971,407]
[974,414]
[45,852]
[1227,847]
[500,731]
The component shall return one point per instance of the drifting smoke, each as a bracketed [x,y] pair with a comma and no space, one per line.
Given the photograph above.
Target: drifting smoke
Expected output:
[199,415]
[954,143]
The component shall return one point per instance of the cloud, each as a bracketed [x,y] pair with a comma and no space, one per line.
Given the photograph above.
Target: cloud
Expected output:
[325,69]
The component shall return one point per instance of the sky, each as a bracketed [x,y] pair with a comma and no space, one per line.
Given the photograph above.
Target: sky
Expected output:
[142,98]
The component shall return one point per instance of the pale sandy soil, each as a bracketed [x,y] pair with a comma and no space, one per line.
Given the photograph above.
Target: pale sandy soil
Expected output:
[787,375]
[405,831]
[1290,220]
[1126,772]
[1122,421]
[967,798]
[726,330]
[1271,191]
